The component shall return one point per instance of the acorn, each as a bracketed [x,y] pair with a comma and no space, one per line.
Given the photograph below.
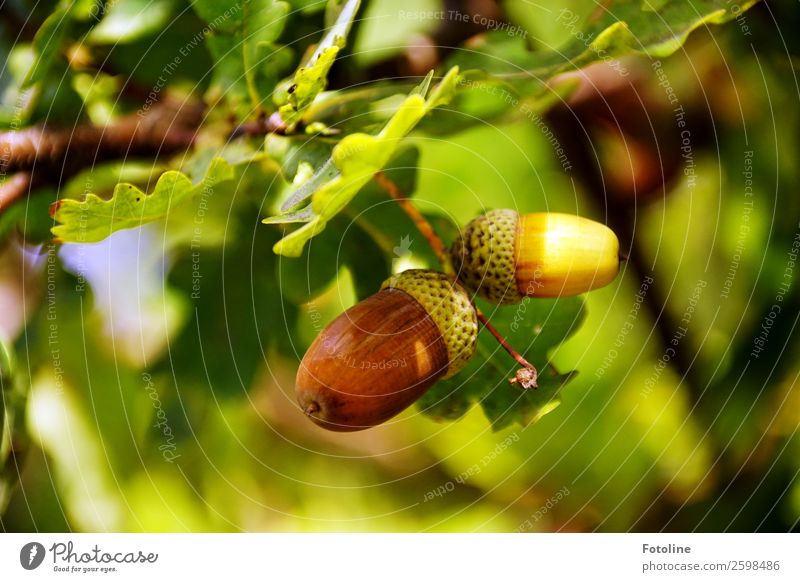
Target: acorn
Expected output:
[381,355]
[504,256]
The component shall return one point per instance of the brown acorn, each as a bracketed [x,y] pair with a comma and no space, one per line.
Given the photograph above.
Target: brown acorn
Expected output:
[504,256]
[381,355]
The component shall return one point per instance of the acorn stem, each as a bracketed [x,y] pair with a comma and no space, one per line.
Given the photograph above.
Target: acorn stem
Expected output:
[422,224]
[525,377]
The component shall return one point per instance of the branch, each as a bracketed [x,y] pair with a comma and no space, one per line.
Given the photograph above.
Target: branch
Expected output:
[573,125]
[14,188]
[43,155]
[422,224]
[160,131]
[265,125]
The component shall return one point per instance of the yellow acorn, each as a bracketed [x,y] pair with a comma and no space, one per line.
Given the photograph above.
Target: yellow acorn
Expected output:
[504,256]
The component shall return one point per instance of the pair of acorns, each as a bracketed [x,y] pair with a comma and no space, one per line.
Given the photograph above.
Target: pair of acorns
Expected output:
[381,355]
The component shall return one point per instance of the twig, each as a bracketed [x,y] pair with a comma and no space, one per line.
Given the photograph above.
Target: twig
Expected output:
[14,188]
[163,130]
[43,155]
[272,124]
[422,224]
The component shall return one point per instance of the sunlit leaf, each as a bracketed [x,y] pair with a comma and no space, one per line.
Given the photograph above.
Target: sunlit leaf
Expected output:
[312,77]
[600,34]
[357,157]
[129,20]
[94,218]
[241,38]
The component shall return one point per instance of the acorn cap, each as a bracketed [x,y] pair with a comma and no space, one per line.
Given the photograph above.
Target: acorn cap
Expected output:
[449,306]
[485,256]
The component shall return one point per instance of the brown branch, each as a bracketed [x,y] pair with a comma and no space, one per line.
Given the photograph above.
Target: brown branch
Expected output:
[46,155]
[422,224]
[14,188]
[265,125]
[159,131]
[610,97]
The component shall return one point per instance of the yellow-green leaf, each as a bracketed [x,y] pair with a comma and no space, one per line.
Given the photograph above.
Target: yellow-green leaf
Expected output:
[357,157]
[311,77]
[94,218]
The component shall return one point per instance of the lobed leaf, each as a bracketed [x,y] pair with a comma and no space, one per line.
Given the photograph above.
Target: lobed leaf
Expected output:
[533,327]
[312,77]
[94,218]
[356,158]
[241,38]
[599,33]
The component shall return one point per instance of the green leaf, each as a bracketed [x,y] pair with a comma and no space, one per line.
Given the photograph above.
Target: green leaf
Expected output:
[247,62]
[43,79]
[239,316]
[533,328]
[365,108]
[367,262]
[205,221]
[311,78]
[599,35]
[93,219]
[261,26]
[326,172]
[13,439]
[221,15]
[46,43]
[304,278]
[298,157]
[502,75]
[5,385]
[129,20]
[105,177]
[308,83]
[357,157]
[292,217]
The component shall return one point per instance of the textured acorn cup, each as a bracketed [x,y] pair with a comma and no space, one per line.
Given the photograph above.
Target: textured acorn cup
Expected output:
[504,257]
[381,355]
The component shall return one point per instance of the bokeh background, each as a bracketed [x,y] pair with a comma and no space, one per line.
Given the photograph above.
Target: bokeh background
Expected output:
[131,405]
